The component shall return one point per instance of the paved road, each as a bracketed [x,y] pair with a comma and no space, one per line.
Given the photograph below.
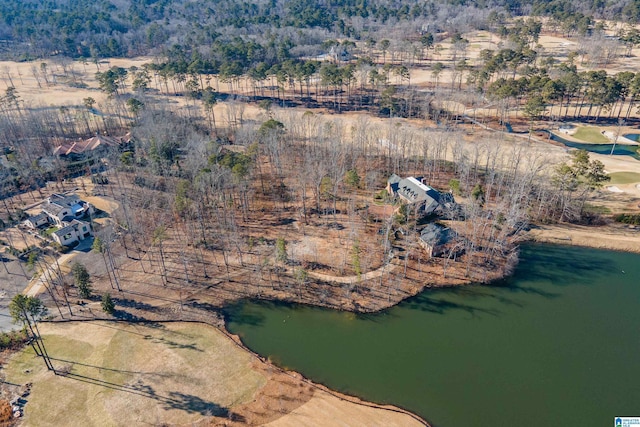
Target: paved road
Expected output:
[6,324]
[14,282]
[36,286]
[11,283]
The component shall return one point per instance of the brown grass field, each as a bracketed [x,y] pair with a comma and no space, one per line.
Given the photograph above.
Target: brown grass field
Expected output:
[115,373]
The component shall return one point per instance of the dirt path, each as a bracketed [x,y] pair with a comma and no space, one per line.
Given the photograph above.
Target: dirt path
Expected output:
[355,279]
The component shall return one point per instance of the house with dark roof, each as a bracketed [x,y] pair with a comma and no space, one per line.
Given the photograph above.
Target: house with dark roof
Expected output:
[72,232]
[414,191]
[438,240]
[37,221]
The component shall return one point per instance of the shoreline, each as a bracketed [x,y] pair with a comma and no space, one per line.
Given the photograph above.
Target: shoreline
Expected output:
[605,237]
[321,389]
[622,139]
[541,234]
[608,237]
[319,386]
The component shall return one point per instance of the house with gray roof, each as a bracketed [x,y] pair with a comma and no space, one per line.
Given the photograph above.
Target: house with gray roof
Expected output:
[72,233]
[37,221]
[63,211]
[436,240]
[414,191]
[61,208]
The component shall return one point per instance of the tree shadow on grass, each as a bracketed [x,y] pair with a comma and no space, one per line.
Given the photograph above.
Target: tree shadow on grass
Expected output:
[173,344]
[113,325]
[175,400]
[196,405]
[103,368]
[131,303]
[124,315]
[199,305]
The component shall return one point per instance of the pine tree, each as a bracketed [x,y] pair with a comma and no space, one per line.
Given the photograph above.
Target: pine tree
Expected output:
[108,306]
[82,280]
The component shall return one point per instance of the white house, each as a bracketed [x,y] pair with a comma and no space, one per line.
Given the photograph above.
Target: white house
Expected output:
[37,221]
[61,208]
[72,232]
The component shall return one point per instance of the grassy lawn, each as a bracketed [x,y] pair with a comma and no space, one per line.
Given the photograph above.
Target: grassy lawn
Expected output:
[123,374]
[49,231]
[591,134]
[624,177]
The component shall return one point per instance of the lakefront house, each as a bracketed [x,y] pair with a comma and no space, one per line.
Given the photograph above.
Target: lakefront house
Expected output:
[414,191]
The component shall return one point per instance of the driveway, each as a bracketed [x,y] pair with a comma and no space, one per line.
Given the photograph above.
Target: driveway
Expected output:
[12,282]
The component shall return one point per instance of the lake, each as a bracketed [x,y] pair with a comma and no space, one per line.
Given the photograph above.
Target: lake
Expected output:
[556,344]
[620,149]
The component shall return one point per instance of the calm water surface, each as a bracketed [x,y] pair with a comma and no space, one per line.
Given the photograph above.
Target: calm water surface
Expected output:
[620,150]
[558,344]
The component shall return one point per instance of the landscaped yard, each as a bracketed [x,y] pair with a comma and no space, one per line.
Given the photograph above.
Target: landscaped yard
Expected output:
[591,134]
[49,231]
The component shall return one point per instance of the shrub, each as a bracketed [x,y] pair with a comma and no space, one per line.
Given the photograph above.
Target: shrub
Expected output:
[352,178]
[381,195]
[628,219]
[402,215]
[12,339]
[454,184]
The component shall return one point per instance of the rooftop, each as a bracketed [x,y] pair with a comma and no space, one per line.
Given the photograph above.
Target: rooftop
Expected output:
[64,230]
[436,235]
[71,226]
[38,217]
[79,147]
[58,202]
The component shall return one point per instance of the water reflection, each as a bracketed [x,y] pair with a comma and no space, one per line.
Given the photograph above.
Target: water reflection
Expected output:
[546,343]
